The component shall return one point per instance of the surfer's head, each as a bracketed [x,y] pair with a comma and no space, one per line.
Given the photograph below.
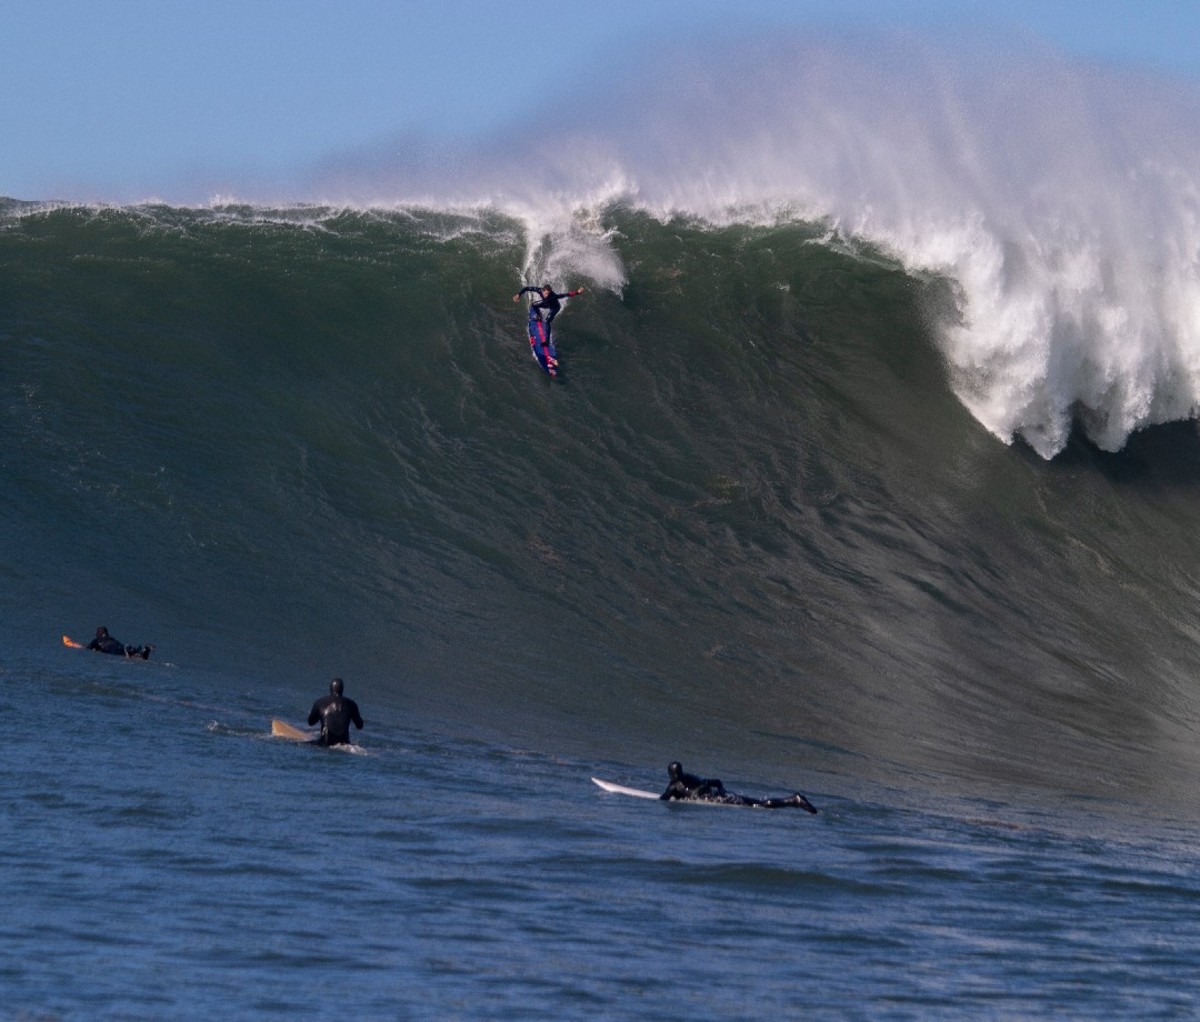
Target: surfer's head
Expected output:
[101,632]
[674,771]
[547,289]
[335,687]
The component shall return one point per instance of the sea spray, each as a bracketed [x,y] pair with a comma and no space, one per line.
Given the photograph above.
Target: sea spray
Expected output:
[1063,200]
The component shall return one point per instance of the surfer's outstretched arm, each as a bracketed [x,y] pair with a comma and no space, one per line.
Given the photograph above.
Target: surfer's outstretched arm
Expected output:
[547,294]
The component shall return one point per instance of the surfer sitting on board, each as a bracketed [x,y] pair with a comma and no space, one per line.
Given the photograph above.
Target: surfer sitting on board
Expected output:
[335,712]
[550,304]
[105,643]
[688,787]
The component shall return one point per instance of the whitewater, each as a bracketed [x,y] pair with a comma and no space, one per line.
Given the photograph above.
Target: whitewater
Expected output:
[1061,198]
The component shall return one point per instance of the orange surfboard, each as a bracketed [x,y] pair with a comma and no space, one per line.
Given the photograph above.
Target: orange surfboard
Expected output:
[281,729]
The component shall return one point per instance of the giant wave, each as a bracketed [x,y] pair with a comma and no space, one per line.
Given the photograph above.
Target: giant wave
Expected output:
[766,510]
[1060,198]
[753,521]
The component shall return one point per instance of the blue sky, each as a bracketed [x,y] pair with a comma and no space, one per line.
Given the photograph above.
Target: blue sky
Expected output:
[124,99]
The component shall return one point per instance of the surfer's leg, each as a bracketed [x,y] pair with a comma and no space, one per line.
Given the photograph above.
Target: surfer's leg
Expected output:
[548,352]
[729,798]
[797,801]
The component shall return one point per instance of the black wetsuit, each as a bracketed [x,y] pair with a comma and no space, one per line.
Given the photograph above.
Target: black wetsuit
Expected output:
[550,305]
[689,787]
[335,714]
[107,644]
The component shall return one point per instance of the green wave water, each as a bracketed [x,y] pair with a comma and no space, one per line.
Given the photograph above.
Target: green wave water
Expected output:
[751,520]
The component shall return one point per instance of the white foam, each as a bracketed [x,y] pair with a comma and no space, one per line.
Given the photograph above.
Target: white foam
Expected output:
[1065,200]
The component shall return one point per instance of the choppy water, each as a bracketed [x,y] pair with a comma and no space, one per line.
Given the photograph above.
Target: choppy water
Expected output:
[165,858]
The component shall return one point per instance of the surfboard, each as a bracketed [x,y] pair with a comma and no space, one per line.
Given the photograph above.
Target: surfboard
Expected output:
[620,789]
[543,352]
[282,729]
[68,641]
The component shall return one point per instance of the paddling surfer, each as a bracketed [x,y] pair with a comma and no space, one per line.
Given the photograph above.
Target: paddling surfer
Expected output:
[688,787]
[105,643]
[335,712]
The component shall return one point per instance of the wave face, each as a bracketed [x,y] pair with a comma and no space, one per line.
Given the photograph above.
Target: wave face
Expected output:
[752,522]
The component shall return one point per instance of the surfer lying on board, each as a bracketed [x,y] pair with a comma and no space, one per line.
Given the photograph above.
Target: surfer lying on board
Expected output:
[105,643]
[689,787]
[335,712]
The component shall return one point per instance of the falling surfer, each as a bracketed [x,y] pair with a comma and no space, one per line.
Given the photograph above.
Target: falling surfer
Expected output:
[541,319]
[690,788]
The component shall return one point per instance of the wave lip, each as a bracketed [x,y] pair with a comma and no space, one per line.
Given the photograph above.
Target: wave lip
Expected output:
[1063,199]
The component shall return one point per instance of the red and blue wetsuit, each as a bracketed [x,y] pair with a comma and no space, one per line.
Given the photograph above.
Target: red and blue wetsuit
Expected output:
[541,316]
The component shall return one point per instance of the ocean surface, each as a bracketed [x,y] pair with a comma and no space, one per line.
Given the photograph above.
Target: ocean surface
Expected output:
[872,473]
[751,527]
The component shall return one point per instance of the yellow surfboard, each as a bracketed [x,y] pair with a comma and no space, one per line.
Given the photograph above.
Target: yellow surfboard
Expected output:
[68,641]
[281,729]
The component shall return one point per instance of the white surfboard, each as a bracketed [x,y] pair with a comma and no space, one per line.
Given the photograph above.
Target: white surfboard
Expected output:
[620,789]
